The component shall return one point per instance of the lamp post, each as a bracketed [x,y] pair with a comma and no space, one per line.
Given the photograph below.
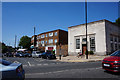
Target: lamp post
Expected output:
[86,27]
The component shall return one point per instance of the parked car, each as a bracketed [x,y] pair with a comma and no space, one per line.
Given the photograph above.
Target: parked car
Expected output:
[112,63]
[36,54]
[9,54]
[48,55]
[27,55]
[11,71]
[19,55]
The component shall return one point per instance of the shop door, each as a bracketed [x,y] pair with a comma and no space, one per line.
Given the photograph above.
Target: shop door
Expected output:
[83,48]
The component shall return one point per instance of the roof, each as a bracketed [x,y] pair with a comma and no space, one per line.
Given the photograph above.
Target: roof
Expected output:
[94,22]
[51,31]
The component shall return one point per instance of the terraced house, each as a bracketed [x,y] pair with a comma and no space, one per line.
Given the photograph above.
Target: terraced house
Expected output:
[49,41]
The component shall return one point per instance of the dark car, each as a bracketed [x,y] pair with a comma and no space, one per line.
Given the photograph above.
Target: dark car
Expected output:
[11,71]
[9,55]
[47,55]
[19,55]
[27,55]
[112,63]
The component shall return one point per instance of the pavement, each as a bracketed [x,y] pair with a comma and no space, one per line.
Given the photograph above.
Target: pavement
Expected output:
[91,58]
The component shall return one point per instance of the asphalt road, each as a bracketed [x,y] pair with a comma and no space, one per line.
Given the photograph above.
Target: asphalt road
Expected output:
[42,68]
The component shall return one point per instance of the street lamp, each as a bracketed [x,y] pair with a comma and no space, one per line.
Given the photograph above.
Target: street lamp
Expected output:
[86,27]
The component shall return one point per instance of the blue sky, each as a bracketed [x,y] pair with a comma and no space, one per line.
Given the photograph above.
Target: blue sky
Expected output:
[19,18]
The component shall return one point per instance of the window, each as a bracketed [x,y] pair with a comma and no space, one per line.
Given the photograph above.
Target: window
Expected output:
[115,39]
[119,40]
[46,35]
[92,44]
[42,36]
[55,33]
[112,48]
[84,40]
[37,44]
[38,37]
[111,38]
[42,42]
[77,43]
[50,34]
[115,46]
[46,42]
[55,40]
[50,40]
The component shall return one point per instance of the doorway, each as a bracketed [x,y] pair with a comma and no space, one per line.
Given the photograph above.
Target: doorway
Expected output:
[83,49]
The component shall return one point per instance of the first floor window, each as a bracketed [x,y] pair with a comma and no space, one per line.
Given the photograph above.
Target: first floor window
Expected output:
[50,40]
[55,40]
[92,44]
[77,43]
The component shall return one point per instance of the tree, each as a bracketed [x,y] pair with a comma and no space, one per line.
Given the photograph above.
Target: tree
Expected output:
[25,42]
[118,22]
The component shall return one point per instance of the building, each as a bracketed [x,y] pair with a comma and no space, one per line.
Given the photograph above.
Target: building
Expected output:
[49,41]
[103,38]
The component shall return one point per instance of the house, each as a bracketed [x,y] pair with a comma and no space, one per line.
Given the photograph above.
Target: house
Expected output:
[51,40]
[103,37]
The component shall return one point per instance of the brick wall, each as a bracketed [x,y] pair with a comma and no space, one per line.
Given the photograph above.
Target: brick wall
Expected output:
[64,50]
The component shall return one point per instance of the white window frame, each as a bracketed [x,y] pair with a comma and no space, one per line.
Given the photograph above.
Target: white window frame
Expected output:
[50,40]
[51,34]
[42,36]
[56,41]
[55,33]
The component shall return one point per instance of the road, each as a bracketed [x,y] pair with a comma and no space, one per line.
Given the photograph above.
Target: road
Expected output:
[42,68]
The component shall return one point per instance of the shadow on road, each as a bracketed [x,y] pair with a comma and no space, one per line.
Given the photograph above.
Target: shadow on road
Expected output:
[113,73]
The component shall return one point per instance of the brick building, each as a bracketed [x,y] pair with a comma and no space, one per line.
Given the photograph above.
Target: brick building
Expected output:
[48,41]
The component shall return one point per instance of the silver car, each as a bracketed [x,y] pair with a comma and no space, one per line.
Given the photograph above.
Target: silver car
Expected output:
[36,54]
[11,70]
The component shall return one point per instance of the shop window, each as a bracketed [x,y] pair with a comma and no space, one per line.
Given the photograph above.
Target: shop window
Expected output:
[77,43]
[112,47]
[92,44]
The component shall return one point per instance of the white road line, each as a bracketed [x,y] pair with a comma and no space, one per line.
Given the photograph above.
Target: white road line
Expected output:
[24,65]
[29,64]
[60,71]
[16,62]
[45,64]
[39,64]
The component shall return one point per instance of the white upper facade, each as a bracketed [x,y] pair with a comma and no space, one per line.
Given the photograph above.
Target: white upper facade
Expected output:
[97,30]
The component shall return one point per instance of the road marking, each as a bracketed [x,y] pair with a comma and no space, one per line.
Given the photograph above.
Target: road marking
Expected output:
[39,64]
[16,62]
[60,71]
[29,64]
[24,65]
[45,64]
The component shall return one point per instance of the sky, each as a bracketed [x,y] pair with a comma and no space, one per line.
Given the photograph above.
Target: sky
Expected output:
[19,18]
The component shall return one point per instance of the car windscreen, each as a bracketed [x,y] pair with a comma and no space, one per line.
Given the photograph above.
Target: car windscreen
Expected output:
[117,53]
[4,62]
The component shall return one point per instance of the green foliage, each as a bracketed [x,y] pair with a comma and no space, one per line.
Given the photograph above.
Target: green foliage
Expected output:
[6,48]
[25,42]
[118,22]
